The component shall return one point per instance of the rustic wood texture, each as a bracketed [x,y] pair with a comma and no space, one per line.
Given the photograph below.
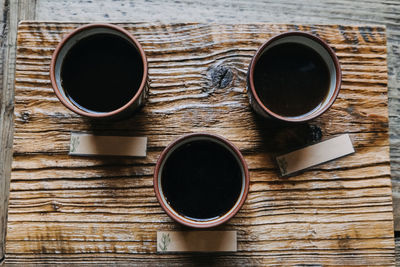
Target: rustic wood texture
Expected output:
[11,13]
[218,11]
[343,12]
[75,209]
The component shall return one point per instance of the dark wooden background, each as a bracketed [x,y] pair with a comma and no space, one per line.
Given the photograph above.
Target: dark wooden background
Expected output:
[298,12]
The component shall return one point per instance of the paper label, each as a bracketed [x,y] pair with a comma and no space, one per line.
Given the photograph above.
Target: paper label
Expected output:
[87,144]
[315,154]
[196,241]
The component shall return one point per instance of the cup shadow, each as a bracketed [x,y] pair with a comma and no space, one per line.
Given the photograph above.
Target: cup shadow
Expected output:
[280,137]
[115,172]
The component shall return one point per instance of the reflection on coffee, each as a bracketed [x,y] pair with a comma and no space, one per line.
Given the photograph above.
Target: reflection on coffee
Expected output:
[291,79]
[201,180]
[101,73]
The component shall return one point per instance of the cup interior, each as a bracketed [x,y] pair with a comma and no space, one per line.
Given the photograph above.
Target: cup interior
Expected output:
[201,223]
[73,39]
[324,52]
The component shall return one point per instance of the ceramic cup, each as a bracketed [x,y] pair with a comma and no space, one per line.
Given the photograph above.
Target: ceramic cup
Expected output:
[201,180]
[133,97]
[316,44]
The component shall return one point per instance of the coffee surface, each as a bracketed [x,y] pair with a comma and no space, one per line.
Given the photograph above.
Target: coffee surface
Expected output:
[291,79]
[101,73]
[201,180]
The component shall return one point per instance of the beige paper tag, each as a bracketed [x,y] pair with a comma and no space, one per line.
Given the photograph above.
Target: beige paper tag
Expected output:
[87,144]
[196,241]
[315,154]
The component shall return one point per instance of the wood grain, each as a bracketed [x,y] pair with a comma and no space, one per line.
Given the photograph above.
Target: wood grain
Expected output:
[12,12]
[75,209]
[342,12]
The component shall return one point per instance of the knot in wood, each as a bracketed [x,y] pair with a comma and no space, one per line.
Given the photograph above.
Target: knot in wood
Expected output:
[55,206]
[314,134]
[25,115]
[221,76]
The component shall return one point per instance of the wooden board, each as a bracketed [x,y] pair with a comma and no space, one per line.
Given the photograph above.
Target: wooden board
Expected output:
[78,209]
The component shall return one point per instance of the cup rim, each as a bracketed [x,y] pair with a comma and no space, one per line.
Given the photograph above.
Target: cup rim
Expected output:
[334,58]
[100,114]
[194,223]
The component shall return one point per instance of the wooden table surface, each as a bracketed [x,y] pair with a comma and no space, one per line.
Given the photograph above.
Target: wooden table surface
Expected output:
[340,12]
[70,208]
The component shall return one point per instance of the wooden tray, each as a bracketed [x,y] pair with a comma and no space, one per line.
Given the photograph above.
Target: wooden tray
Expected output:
[103,209]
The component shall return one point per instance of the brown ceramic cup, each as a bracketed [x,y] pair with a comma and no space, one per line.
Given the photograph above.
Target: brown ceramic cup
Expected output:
[314,43]
[201,180]
[131,98]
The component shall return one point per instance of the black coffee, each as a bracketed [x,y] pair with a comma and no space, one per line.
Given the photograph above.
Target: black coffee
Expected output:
[101,73]
[201,180]
[291,79]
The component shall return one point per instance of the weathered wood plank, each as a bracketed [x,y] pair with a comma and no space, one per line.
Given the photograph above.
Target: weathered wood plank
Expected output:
[11,13]
[340,12]
[91,209]
[372,258]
